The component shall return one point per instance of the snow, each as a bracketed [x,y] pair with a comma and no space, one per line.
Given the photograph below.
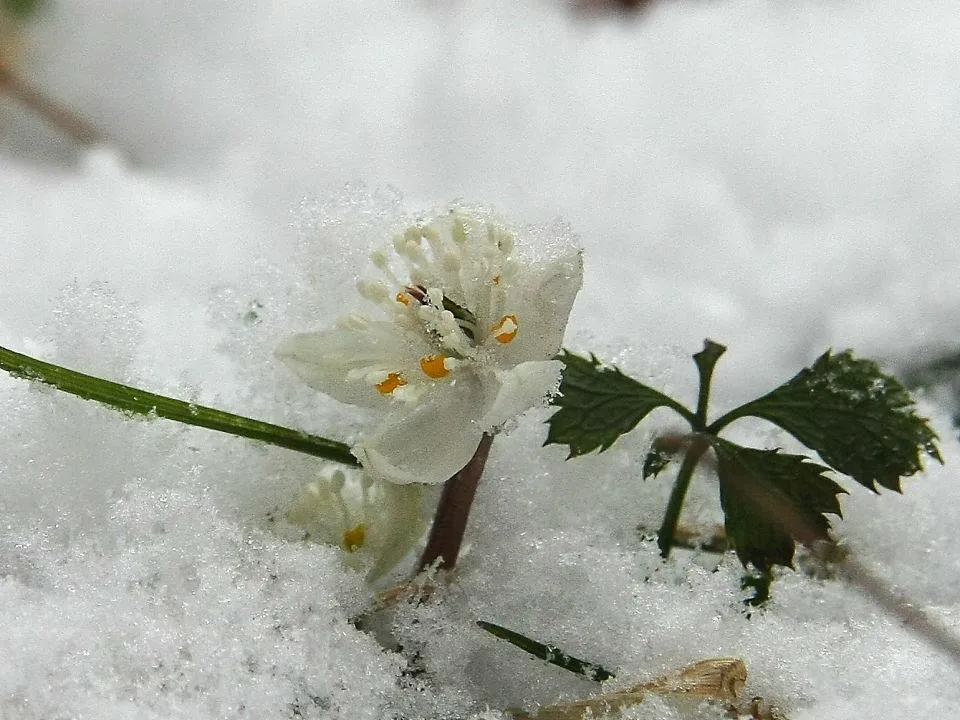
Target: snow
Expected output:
[779,177]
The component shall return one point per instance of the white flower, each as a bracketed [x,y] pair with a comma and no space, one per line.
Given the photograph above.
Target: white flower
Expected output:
[466,344]
[376,523]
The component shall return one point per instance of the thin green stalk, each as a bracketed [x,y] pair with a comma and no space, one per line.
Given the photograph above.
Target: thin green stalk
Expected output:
[549,653]
[706,360]
[721,422]
[140,402]
[668,530]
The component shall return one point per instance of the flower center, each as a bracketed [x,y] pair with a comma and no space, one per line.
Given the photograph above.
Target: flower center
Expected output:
[354,537]
[466,320]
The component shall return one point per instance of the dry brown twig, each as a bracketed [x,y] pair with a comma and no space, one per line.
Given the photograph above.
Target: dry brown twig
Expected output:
[13,44]
[716,680]
[58,116]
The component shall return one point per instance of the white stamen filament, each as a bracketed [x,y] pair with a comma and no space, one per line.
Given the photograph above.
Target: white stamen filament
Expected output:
[436,296]
[373,290]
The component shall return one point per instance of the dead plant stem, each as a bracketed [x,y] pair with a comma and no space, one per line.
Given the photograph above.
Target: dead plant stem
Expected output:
[59,116]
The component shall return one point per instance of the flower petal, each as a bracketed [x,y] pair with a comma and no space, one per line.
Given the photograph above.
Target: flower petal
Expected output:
[399,528]
[349,360]
[541,296]
[521,388]
[430,442]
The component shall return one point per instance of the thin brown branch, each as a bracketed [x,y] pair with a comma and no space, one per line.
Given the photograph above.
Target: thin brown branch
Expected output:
[910,615]
[450,520]
[59,116]
[898,606]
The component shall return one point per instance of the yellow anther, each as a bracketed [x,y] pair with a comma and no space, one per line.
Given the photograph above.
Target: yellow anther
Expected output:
[404,298]
[506,330]
[354,537]
[433,366]
[391,383]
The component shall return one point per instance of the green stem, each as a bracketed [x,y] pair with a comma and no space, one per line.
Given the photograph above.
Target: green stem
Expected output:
[132,400]
[721,422]
[549,653]
[668,530]
[706,360]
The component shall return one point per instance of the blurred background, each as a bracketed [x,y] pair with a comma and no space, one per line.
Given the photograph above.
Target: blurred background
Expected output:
[778,175]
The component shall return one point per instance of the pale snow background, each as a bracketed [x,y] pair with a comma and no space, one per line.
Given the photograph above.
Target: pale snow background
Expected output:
[781,176]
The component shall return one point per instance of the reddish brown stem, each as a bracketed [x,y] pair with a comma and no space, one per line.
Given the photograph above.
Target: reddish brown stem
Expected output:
[450,520]
[908,613]
[59,116]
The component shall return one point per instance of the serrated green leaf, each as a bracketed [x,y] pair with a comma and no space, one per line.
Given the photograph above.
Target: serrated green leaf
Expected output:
[860,420]
[599,404]
[771,500]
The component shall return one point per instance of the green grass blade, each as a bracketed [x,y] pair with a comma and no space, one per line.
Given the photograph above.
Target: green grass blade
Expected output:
[132,400]
[552,655]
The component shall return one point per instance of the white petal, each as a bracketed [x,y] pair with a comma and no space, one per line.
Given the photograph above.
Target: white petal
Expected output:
[337,361]
[398,528]
[541,297]
[525,386]
[430,442]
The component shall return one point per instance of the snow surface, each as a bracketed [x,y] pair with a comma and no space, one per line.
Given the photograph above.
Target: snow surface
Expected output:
[778,176]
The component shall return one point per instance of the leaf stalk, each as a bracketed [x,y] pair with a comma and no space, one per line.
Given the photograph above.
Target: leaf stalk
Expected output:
[668,530]
[129,399]
[706,361]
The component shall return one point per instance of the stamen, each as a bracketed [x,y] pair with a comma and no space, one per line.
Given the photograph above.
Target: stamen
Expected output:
[459,230]
[354,537]
[337,481]
[336,485]
[430,234]
[506,242]
[436,297]
[434,366]
[451,263]
[417,292]
[382,263]
[506,330]
[466,320]
[373,290]
[404,298]
[497,279]
[391,383]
